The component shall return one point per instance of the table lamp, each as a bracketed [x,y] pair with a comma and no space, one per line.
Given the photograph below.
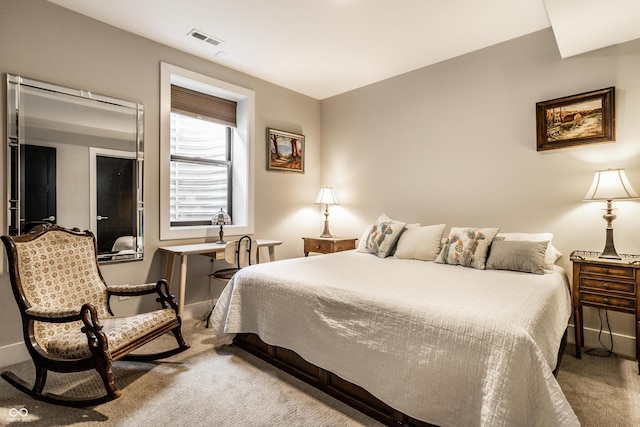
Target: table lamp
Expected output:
[326,197]
[609,185]
[221,218]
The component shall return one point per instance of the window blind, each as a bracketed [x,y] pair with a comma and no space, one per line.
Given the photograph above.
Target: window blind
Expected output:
[201,105]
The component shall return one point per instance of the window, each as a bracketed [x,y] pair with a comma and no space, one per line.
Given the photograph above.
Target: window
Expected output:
[206,153]
[201,167]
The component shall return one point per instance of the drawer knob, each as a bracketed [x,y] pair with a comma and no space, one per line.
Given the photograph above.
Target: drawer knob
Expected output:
[605,285]
[606,300]
[605,270]
[317,246]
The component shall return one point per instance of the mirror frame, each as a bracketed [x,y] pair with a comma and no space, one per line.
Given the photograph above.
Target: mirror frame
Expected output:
[15,139]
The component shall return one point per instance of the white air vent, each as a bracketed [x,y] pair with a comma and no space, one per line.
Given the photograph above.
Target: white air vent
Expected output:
[205,37]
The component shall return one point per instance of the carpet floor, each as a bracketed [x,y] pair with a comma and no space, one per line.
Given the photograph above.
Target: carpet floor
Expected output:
[229,387]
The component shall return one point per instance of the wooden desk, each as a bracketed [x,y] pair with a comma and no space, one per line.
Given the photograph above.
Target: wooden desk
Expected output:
[209,249]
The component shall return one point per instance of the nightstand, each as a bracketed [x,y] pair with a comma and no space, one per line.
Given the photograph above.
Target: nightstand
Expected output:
[326,245]
[608,284]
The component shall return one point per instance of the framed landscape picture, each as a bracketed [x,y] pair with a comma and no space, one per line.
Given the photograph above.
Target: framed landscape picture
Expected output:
[285,151]
[574,120]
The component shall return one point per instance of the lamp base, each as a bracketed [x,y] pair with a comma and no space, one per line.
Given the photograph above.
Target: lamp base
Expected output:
[609,251]
[221,235]
[326,232]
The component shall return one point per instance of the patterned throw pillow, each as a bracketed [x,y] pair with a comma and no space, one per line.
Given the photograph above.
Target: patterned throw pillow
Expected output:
[467,246]
[383,235]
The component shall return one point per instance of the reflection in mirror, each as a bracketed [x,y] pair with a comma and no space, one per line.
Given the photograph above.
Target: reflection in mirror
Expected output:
[76,159]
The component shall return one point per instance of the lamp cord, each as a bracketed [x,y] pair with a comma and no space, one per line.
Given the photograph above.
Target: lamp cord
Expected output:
[603,351]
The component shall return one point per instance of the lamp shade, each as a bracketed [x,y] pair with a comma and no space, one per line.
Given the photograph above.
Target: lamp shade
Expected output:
[221,218]
[610,184]
[326,196]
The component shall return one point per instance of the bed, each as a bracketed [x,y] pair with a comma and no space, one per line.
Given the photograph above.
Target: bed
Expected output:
[426,342]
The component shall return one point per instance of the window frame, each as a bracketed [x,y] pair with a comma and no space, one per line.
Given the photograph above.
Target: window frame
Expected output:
[242,179]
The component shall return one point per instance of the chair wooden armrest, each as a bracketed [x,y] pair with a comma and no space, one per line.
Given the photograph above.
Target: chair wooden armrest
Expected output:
[132,290]
[53,315]
[161,287]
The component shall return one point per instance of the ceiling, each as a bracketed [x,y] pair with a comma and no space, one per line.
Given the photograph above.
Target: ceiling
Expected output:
[322,48]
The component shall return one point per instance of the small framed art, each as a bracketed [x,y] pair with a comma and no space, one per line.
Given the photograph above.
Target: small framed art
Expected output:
[285,151]
[585,118]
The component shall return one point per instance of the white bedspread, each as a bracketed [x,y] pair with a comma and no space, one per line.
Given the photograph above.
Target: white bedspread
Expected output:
[449,345]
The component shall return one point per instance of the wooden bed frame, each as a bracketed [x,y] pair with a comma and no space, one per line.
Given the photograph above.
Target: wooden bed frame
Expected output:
[349,393]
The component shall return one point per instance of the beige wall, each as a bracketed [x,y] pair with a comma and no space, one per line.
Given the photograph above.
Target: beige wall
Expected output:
[456,143]
[49,43]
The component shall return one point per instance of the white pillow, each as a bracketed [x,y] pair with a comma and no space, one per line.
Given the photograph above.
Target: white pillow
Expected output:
[551,256]
[422,243]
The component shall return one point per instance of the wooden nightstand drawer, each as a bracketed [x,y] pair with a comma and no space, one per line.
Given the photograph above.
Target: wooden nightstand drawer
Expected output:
[607,301]
[345,245]
[608,285]
[315,245]
[327,245]
[608,270]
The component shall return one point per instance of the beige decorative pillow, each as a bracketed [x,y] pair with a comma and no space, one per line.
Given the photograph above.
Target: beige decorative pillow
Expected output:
[467,246]
[422,243]
[517,255]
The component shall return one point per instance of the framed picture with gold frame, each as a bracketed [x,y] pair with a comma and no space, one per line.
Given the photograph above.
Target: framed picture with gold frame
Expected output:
[585,118]
[285,151]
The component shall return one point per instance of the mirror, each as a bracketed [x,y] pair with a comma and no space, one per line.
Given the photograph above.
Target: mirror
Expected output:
[76,159]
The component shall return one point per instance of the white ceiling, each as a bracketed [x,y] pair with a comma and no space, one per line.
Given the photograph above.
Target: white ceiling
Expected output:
[323,48]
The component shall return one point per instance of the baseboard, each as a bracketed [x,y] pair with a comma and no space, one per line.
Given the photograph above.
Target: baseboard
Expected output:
[198,310]
[15,353]
[623,345]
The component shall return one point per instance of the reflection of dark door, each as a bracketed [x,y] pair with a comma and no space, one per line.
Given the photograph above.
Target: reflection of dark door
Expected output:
[38,192]
[115,200]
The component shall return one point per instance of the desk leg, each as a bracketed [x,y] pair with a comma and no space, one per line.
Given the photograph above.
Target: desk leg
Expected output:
[169,273]
[183,283]
[272,253]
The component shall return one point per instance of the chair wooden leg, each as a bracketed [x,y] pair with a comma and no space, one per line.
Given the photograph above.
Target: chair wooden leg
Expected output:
[103,367]
[177,333]
[36,391]
[55,399]
[41,379]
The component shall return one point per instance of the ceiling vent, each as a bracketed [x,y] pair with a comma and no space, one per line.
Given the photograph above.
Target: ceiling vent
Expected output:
[205,37]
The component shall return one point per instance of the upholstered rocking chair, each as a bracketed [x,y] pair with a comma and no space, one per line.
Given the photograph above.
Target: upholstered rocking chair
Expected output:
[67,321]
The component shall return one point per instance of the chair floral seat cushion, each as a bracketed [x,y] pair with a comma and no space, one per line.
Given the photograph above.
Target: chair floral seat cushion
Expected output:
[59,339]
